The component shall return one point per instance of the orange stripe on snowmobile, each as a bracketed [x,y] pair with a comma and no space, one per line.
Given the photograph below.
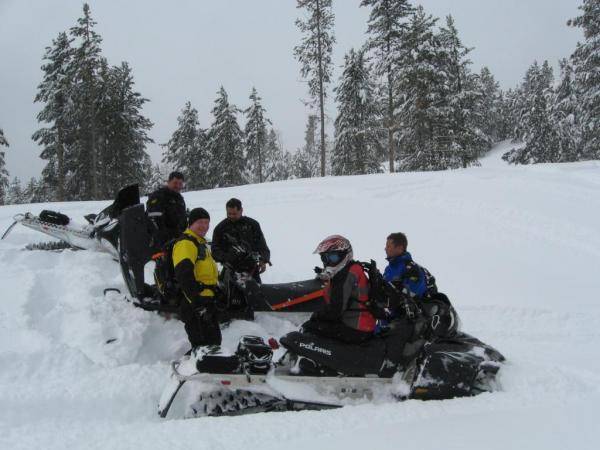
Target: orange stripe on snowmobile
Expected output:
[296,301]
[157,255]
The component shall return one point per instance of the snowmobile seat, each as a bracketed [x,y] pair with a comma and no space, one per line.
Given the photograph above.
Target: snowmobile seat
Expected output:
[54,217]
[350,359]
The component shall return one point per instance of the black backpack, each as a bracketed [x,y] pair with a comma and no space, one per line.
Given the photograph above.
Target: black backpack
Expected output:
[164,271]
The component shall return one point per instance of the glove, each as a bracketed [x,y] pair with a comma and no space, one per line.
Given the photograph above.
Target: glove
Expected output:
[411,309]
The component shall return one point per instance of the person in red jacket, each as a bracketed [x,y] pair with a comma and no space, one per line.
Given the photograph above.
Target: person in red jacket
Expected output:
[345,316]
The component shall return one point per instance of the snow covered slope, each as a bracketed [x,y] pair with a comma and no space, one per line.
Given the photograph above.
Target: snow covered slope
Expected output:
[517,249]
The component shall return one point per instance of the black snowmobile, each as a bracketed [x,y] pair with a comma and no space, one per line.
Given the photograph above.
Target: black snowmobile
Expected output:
[240,295]
[321,373]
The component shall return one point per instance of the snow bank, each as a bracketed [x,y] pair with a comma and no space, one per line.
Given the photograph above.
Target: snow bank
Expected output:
[516,248]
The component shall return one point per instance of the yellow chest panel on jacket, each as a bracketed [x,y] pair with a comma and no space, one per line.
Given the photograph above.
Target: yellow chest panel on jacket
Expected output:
[205,269]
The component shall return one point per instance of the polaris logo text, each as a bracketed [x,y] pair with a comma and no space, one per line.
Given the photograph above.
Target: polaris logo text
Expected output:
[314,348]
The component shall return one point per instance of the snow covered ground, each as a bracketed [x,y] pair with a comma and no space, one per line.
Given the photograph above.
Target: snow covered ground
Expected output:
[517,249]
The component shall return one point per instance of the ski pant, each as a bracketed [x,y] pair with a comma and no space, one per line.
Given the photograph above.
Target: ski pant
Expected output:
[336,330]
[201,329]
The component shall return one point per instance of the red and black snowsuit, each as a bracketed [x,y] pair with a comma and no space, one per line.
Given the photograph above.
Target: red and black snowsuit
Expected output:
[345,317]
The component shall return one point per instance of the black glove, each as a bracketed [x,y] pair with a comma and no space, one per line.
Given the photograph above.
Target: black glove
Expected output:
[411,309]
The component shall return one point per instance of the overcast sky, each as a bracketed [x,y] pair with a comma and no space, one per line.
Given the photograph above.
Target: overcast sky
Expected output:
[184,50]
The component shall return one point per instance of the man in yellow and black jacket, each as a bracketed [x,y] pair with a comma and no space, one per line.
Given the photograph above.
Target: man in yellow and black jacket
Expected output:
[197,274]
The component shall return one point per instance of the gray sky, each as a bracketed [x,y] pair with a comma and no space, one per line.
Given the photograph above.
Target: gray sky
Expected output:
[184,50]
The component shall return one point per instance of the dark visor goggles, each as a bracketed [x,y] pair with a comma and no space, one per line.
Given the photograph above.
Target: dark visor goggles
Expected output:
[332,258]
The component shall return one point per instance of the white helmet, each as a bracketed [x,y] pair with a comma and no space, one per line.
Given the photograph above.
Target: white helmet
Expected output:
[336,252]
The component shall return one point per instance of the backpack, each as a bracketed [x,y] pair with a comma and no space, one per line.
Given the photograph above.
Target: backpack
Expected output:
[164,271]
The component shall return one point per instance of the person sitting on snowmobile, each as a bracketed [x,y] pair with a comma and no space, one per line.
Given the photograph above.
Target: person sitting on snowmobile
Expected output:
[405,274]
[345,317]
[235,232]
[418,288]
[166,211]
[197,275]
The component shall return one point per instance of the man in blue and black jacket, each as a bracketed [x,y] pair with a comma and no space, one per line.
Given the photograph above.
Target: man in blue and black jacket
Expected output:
[405,274]
[419,290]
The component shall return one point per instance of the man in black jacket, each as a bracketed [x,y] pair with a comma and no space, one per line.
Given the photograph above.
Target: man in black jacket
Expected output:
[239,234]
[166,210]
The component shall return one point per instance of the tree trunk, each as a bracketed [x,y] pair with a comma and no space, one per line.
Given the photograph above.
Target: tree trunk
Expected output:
[321,93]
[390,120]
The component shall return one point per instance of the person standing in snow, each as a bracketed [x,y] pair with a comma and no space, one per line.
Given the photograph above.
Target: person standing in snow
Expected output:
[197,275]
[345,316]
[237,234]
[166,211]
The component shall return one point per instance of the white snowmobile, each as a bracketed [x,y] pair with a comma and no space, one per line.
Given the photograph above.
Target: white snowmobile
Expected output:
[314,372]
[100,233]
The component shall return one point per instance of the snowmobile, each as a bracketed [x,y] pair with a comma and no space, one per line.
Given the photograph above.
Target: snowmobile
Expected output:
[240,294]
[315,373]
[100,233]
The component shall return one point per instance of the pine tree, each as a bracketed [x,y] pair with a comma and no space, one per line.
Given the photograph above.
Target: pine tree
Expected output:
[306,159]
[357,142]
[255,134]
[56,91]
[87,62]
[278,163]
[586,62]
[3,171]
[187,150]
[508,122]
[418,82]
[387,29]
[534,125]
[314,55]
[14,194]
[458,135]
[565,116]
[122,136]
[225,144]
[490,105]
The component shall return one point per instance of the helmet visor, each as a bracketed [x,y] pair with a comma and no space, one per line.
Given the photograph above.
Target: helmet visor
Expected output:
[332,258]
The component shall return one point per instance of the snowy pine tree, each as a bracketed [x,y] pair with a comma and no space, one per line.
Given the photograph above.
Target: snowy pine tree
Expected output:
[534,126]
[278,163]
[187,150]
[85,182]
[122,135]
[3,171]
[314,55]
[255,134]
[490,106]
[418,83]
[387,28]
[586,62]
[458,133]
[225,144]
[306,159]
[357,135]
[14,195]
[56,91]
[565,116]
